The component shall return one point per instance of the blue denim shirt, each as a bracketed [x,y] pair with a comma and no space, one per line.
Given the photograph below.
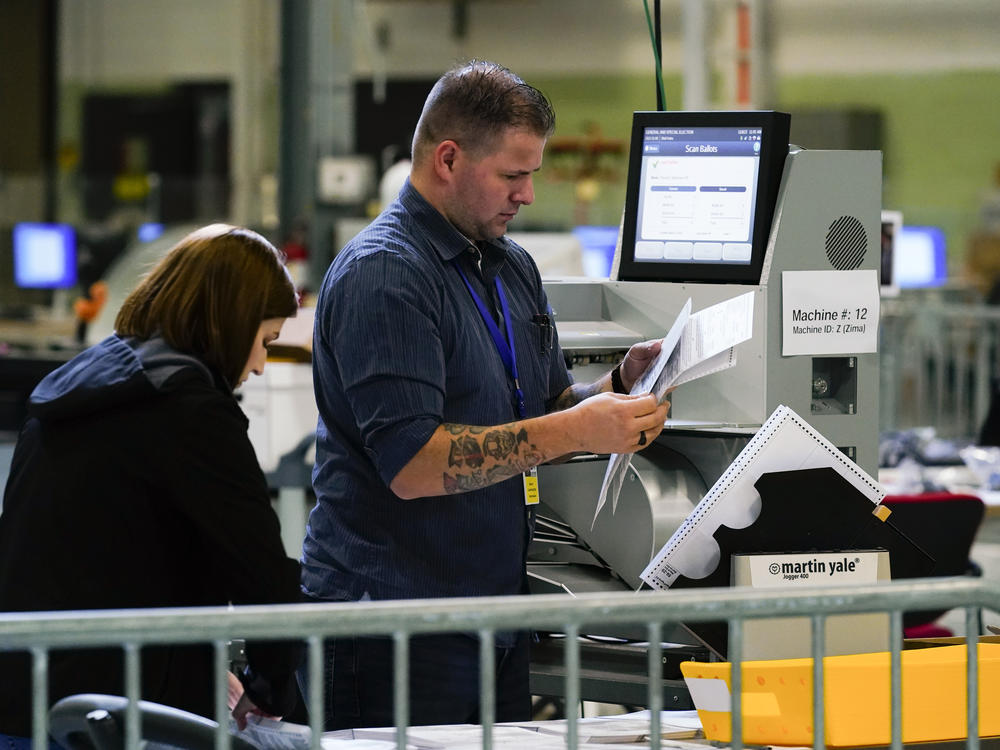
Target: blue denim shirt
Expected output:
[399,348]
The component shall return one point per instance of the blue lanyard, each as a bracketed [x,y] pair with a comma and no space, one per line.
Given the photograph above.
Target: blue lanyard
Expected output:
[505,348]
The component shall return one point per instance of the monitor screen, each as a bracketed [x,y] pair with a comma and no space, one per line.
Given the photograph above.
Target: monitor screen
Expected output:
[597,244]
[919,257]
[149,231]
[44,256]
[700,195]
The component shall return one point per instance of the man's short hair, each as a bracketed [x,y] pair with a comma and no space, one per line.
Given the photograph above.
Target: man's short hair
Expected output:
[474,104]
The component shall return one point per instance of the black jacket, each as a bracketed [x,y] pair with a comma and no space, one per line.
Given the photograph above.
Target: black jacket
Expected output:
[133,484]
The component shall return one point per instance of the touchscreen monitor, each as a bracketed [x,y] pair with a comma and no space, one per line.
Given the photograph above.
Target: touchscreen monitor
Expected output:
[700,196]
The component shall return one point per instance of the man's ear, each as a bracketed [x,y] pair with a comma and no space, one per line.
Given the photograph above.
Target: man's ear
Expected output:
[445,154]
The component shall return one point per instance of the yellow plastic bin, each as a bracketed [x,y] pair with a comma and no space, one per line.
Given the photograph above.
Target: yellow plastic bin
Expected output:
[777,697]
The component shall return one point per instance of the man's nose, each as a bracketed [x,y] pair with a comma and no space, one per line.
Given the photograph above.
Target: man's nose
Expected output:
[526,194]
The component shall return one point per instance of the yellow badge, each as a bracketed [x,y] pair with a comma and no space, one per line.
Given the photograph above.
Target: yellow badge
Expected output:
[531,486]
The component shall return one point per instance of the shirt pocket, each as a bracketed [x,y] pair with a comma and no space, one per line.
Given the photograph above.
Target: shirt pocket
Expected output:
[534,360]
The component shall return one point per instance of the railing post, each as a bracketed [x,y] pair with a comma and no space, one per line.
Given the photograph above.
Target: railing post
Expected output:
[972,619]
[818,653]
[221,653]
[317,684]
[487,686]
[401,684]
[896,678]
[655,668]
[39,698]
[735,648]
[571,657]
[133,691]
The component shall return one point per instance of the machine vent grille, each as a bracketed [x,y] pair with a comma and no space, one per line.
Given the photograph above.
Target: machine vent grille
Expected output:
[846,243]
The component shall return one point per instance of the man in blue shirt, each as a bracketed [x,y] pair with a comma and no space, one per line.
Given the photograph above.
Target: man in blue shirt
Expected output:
[440,384]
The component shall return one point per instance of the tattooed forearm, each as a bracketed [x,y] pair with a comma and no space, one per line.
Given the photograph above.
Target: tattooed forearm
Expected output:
[462,429]
[475,480]
[508,450]
[575,394]
[501,444]
[466,450]
[464,482]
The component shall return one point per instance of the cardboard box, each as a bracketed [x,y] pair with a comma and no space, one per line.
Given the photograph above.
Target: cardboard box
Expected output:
[777,697]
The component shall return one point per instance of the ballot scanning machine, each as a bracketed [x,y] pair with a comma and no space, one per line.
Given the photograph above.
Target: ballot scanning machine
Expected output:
[718,204]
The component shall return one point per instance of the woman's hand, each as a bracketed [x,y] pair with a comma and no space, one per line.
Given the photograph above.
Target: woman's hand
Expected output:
[241,705]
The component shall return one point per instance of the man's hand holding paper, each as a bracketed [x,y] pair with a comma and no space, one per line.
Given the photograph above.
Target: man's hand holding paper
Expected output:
[610,427]
[637,362]
[696,345]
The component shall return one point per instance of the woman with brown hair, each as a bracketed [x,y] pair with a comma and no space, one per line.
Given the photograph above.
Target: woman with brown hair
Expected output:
[134,484]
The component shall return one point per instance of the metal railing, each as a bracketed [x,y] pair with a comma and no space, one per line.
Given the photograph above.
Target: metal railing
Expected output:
[938,364]
[132,629]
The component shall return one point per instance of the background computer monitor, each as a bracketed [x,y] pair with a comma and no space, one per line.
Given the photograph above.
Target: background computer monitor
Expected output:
[919,257]
[597,244]
[149,231]
[700,195]
[44,256]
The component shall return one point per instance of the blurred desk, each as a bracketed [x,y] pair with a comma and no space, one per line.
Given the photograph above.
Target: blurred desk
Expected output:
[37,334]
[959,479]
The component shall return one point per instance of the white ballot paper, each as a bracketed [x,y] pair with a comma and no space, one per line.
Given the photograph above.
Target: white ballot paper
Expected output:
[599,733]
[784,442]
[697,345]
[272,734]
[620,729]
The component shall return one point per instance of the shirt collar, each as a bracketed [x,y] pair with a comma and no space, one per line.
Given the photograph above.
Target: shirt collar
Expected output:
[494,254]
[447,240]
